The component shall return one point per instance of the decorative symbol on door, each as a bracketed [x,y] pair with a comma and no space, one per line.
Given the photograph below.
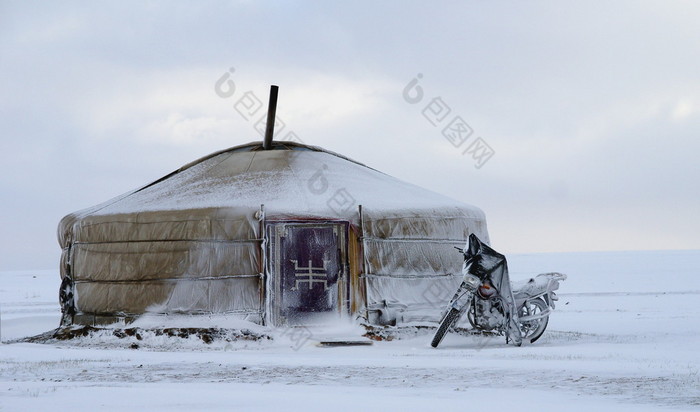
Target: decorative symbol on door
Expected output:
[310,275]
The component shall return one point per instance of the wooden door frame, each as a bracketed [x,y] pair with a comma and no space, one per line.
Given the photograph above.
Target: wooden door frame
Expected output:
[274,231]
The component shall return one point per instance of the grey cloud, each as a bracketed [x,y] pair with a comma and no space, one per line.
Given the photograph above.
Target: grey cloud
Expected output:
[593,109]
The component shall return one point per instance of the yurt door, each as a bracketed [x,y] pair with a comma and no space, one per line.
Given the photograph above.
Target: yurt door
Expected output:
[307,277]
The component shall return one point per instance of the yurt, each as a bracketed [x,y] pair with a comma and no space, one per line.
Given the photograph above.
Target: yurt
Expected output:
[278,234]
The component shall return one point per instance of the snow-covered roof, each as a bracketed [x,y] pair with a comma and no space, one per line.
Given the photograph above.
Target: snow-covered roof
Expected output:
[291,180]
[294,178]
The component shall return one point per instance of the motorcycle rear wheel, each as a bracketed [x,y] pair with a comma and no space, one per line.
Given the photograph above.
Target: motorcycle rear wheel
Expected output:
[445,325]
[533,330]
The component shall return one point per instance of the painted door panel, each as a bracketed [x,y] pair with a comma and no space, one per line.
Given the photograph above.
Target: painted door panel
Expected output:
[307,272]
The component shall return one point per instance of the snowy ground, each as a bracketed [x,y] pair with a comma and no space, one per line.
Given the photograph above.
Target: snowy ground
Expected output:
[625,336]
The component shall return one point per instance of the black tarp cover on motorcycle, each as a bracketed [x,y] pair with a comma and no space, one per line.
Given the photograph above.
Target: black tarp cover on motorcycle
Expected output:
[492,267]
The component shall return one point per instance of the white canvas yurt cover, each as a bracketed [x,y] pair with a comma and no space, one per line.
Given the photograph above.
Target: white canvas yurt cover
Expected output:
[280,236]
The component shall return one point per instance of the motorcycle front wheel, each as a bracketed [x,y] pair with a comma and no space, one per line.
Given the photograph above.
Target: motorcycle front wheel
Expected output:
[532,330]
[445,325]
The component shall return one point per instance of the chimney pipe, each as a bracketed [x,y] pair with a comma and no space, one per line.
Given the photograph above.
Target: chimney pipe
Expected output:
[270,125]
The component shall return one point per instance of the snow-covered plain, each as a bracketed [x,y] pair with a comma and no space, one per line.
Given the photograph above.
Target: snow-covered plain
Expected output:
[624,337]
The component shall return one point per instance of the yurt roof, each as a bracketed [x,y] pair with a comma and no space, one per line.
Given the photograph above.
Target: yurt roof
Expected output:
[290,178]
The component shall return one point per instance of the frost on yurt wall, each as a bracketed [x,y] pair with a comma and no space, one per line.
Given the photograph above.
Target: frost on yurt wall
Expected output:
[411,265]
[198,241]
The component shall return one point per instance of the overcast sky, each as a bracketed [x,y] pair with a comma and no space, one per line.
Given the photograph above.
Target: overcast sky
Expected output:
[592,109]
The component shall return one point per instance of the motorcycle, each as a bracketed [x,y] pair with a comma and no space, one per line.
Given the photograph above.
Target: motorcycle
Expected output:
[494,305]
